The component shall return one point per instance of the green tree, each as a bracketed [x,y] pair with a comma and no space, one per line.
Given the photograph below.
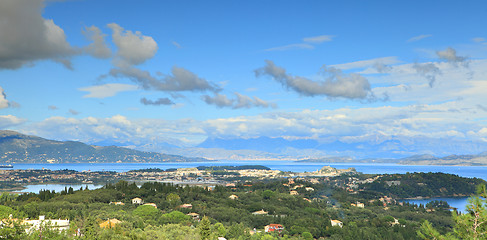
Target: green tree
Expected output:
[307,236]
[173,199]
[205,228]
[174,217]
[471,225]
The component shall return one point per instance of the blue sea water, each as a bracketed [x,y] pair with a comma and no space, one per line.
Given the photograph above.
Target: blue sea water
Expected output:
[463,171]
[459,202]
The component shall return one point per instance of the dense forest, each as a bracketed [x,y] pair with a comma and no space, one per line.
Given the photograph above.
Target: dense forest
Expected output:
[304,208]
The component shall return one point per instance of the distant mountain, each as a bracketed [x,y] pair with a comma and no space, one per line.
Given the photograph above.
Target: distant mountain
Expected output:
[468,160]
[379,147]
[20,148]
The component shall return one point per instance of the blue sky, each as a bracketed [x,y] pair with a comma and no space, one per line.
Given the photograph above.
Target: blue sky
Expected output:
[151,72]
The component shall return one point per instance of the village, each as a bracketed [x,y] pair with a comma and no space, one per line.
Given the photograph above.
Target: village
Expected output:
[192,176]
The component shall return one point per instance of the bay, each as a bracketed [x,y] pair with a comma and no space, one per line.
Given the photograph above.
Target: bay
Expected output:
[57,187]
[458,202]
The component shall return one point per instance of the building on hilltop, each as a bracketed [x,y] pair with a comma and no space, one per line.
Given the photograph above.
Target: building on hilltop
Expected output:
[137,201]
[273,227]
[335,223]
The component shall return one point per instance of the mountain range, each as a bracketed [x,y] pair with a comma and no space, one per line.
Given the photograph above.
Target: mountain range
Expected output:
[19,148]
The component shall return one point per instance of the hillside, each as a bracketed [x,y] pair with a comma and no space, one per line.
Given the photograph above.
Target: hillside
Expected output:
[20,148]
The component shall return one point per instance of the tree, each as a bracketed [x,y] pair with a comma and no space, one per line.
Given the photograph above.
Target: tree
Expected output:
[174,217]
[307,236]
[205,228]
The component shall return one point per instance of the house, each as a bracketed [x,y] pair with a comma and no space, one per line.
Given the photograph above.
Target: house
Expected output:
[117,203]
[230,185]
[293,193]
[273,227]
[391,183]
[261,212]
[358,204]
[309,189]
[110,223]
[336,223]
[233,197]
[187,205]
[137,201]
[57,224]
[151,204]
[195,216]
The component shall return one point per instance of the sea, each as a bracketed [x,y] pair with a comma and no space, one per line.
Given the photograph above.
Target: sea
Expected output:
[293,166]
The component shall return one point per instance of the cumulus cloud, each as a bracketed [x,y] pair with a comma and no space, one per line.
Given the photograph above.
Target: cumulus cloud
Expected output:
[4,103]
[180,80]
[450,55]
[427,70]
[419,37]
[336,84]
[133,48]
[107,90]
[241,101]
[158,102]
[7,121]
[98,48]
[218,100]
[119,129]
[27,37]
[74,112]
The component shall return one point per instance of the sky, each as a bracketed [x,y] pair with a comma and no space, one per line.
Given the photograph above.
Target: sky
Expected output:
[179,72]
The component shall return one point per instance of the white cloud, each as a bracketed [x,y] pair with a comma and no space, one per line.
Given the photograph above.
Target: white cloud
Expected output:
[291,47]
[180,80]
[158,102]
[450,55]
[242,101]
[367,63]
[98,48]
[107,90]
[27,37]
[478,39]
[419,37]
[336,83]
[133,48]
[308,43]
[176,44]
[3,99]
[9,121]
[74,112]
[319,39]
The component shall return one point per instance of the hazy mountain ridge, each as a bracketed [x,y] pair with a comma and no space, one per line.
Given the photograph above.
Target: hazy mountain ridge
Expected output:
[384,148]
[20,148]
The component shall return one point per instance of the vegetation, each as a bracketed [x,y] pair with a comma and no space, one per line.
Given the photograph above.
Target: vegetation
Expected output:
[242,212]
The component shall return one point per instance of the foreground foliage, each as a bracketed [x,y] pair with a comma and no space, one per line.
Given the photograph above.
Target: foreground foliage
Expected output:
[233,212]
